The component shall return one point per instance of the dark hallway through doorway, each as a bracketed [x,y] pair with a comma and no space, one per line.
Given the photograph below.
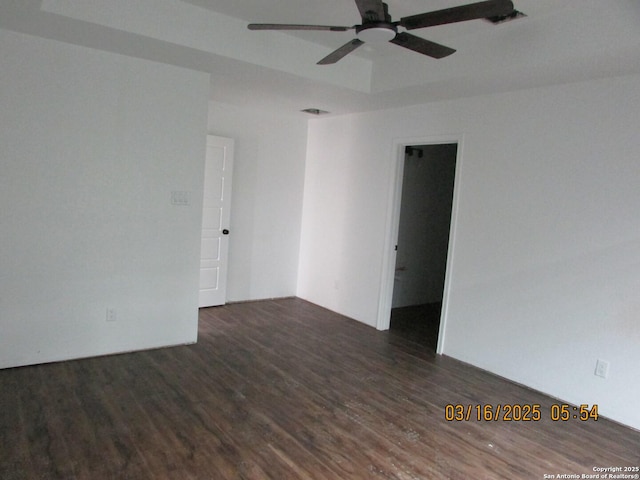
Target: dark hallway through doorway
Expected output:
[423,241]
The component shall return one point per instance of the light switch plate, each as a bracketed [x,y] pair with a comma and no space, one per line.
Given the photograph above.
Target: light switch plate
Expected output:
[180,198]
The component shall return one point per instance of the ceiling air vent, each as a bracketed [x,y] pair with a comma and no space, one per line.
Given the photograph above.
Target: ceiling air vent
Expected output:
[314,111]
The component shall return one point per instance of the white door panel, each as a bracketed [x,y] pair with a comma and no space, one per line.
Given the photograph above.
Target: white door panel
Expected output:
[215,221]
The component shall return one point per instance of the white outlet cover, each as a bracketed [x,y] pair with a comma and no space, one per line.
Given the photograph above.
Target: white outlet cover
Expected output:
[602,368]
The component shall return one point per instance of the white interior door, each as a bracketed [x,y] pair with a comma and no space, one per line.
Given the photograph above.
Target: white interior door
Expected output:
[215,221]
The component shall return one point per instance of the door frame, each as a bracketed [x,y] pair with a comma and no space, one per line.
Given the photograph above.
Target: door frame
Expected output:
[394,204]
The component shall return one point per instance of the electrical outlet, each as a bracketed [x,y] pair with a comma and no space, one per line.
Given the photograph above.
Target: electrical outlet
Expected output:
[111,315]
[602,368]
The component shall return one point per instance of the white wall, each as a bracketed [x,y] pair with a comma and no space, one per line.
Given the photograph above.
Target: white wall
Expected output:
[266,208]
[545,273]
[92,144]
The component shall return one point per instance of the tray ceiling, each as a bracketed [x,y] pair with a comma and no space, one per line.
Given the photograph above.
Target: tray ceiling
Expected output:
[559,41]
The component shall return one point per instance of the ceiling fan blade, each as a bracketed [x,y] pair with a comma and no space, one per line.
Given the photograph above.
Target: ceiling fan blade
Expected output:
[371,10]
[283,26]
[420,45]
[462,13]
[344,50]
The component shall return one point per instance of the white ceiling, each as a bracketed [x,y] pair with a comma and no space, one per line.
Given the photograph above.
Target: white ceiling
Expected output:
[559,41]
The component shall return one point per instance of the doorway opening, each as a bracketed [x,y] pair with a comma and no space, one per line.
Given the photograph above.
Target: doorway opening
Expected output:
[423,241]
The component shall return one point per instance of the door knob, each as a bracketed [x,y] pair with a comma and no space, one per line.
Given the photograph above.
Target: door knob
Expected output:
[225,232]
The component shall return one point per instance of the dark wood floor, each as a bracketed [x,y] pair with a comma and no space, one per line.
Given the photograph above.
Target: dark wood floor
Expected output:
[418,323]
[284,390]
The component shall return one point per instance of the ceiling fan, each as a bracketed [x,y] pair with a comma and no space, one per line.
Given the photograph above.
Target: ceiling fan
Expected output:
[377,26]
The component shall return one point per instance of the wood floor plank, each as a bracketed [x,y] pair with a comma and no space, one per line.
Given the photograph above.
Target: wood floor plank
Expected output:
[284,389]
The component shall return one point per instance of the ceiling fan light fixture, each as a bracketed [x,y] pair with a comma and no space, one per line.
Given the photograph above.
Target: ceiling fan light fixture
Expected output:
[378,33]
